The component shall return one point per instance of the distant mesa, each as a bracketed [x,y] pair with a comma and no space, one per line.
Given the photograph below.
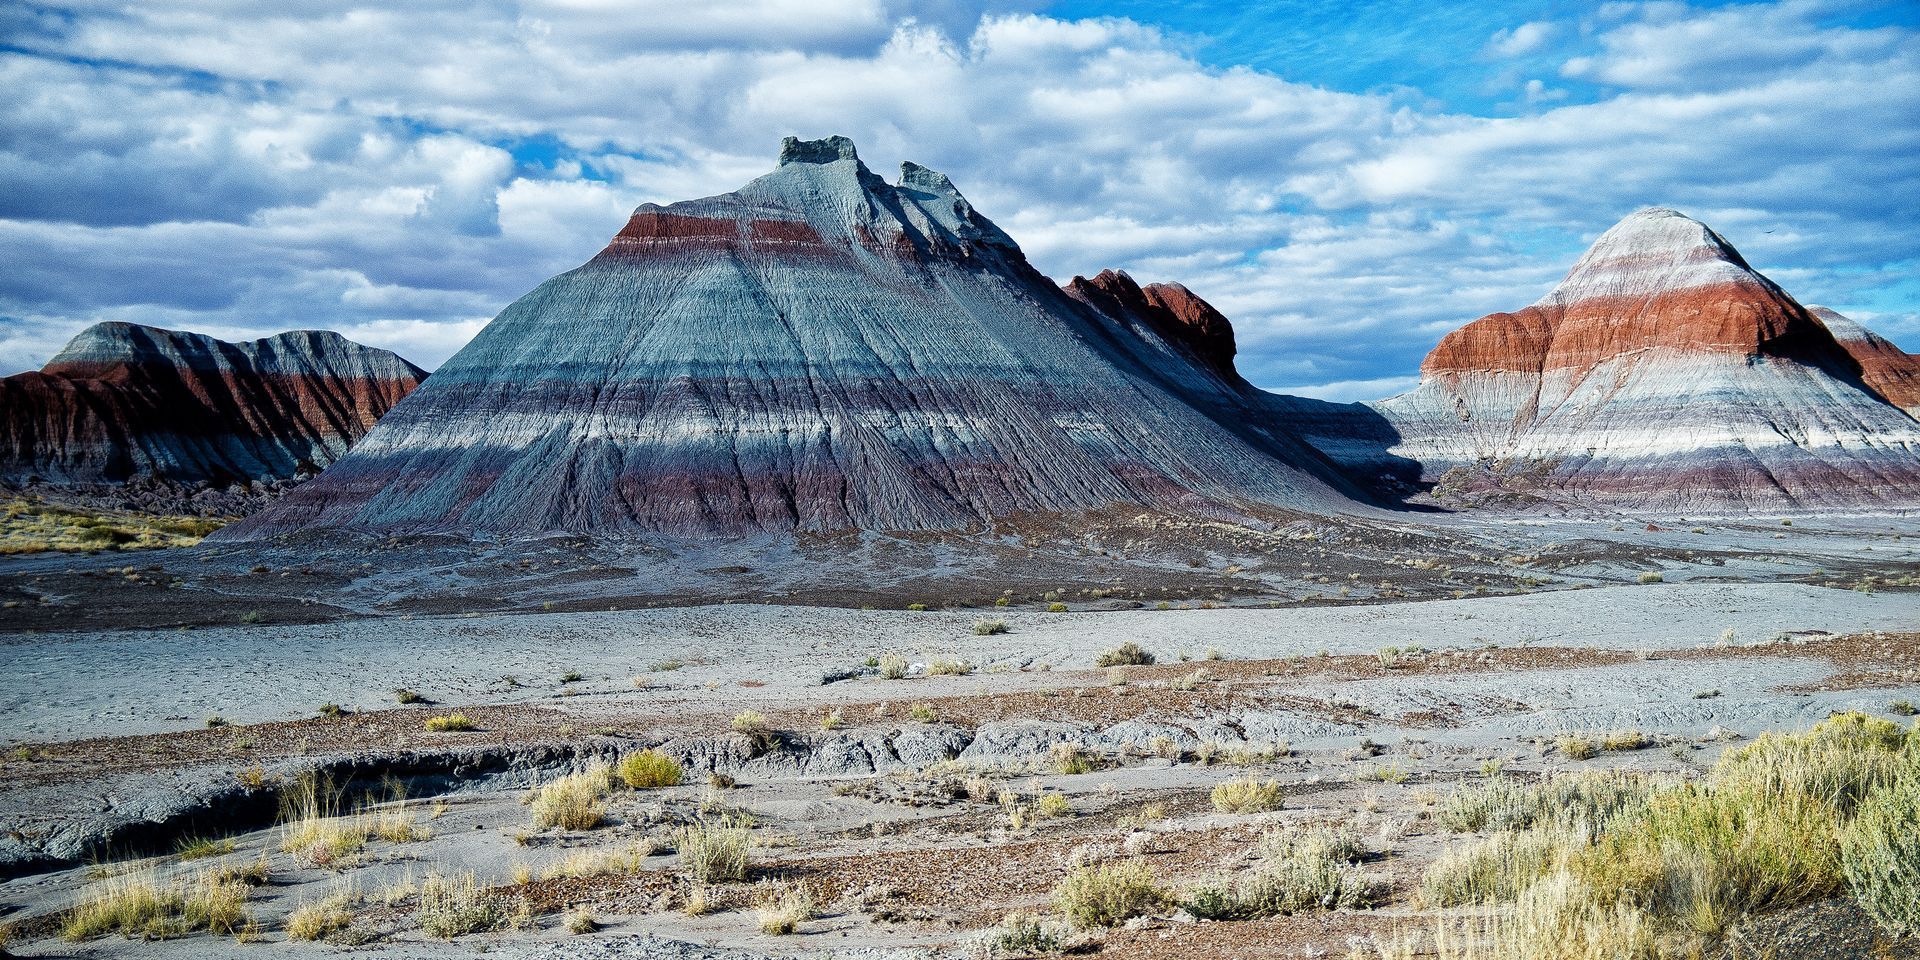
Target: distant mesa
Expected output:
[1890,371]
[820,350]
[124,402]
[1664,373]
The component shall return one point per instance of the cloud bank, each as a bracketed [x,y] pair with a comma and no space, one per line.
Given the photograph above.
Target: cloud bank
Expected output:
[401,172]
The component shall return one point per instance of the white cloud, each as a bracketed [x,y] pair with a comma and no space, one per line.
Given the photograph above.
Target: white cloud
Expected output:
[1525,38]
[398,172]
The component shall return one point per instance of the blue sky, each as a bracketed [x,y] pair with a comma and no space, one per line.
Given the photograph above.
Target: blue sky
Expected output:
[1346,181]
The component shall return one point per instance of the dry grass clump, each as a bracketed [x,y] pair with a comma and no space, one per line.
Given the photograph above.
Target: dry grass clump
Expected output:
[1593,871]
[573,801]
[1555,919]
[317,827]
[1052,806]
[782,909]
[752,724]
[1615,741]
[31,525]
[650,770]
[1576,746]
[322,918]
[945,667]
[138,904]
[199,848]
[1128,654]
[455,722]
[714,851]
[1107,895]
[216,905]
[454,906]
[582,921]
[988,628]
[893,666]
[1070,758]
[1651,577]
[1248,795]
[127,904]
[623,862]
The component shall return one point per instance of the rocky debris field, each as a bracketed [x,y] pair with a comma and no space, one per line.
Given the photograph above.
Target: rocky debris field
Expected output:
[892,783]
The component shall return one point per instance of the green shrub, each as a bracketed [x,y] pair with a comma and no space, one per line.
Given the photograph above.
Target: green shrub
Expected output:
[1880,855]
[1298,869]
[1839,761]
[650,770]
[1585,800]
[1707,855]
[1498,868]
[1107,895]
[1024,934]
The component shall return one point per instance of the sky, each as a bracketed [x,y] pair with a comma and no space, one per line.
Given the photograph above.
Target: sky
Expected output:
[1347,182]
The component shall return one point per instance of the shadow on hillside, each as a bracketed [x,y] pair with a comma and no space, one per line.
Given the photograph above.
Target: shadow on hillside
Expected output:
[1357,443]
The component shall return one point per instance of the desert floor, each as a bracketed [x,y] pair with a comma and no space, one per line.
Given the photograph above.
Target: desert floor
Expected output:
[913,822]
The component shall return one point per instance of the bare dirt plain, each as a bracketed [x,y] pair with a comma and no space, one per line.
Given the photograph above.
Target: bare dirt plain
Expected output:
[913,819]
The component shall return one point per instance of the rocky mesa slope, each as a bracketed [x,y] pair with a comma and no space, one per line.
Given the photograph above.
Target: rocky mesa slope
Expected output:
[125,402]
[820,350]
[1665,373]
[1891,372]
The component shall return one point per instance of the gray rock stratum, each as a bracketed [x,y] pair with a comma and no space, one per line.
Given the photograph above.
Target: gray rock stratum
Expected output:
[820,350]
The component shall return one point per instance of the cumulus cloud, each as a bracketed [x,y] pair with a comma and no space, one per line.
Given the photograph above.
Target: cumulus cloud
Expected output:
[1525,38]
[401,172]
